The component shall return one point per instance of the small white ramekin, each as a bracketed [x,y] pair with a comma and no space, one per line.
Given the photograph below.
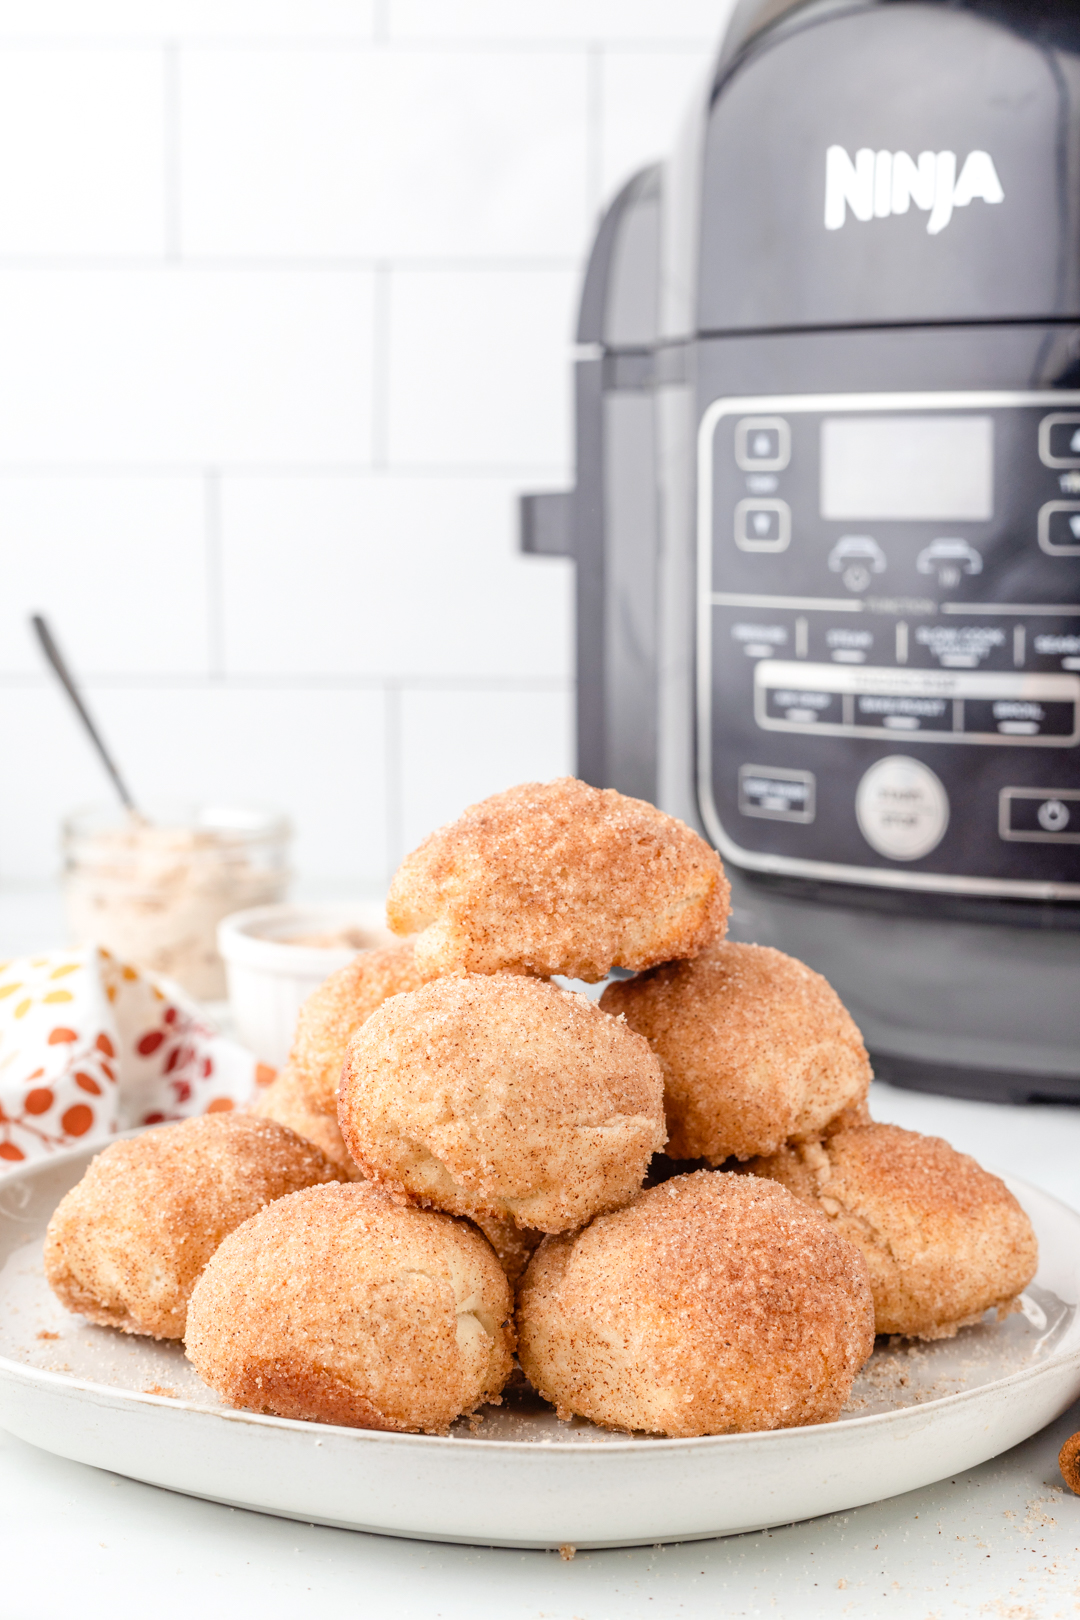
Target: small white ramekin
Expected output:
[269,977]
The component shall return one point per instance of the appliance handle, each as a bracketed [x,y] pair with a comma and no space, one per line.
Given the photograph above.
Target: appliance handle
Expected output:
[546,523]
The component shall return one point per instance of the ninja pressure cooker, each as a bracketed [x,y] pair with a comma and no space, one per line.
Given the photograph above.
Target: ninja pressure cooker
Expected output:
[826,523]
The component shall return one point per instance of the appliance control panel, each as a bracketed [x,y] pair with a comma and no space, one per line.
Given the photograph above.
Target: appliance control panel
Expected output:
[888,647]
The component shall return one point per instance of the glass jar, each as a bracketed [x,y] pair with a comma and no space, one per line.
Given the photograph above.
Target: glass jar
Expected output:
[152,888]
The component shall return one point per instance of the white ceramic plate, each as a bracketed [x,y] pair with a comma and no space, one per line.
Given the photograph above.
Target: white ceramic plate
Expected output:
[522,1479]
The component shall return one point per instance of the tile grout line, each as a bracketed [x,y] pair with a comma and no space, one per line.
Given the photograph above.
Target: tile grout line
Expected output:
[392,766]
[297,681]
[359,42]
[215,606]
[171,149]
[491,472]
[290,263]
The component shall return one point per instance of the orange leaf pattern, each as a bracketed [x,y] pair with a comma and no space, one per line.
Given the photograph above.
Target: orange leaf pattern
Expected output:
[132,1050]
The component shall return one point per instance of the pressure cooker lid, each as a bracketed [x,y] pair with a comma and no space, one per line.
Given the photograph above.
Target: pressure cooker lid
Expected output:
[901,162]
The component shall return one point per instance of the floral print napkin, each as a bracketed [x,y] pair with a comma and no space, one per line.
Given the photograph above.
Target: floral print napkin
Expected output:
[90,1046]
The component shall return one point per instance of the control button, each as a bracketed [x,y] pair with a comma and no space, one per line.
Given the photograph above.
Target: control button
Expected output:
[964,646]
[1039,815]
[902,808]
[762,525]
[1059,439]
[899,712]
[775,794]
[1059,528]
[1054,645]
[950,560]
[1019,717]
[800,707]
[856,558]
[763,444]
[1053,816]
[760,640]
[847,646]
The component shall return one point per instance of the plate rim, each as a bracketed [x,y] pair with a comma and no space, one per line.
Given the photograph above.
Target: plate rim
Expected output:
[646,1444]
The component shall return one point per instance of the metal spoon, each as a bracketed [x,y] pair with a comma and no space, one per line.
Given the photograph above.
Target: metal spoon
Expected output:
[52,653]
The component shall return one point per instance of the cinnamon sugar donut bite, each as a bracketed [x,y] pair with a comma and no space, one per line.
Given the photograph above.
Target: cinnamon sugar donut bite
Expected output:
[514,1245]
[559,878]
[337,1305]
[756,1048]
[332,1014]
[703,1307]
[286,1099]
[502,1097]
[944,1239]
[126,1245]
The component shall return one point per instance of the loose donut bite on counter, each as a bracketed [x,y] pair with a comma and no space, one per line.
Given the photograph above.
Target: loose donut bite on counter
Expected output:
[337,1305]
[559,878]
[944,1239]
[756,1049]
[700,1308]
[127,1244]
[332,1014]
[502,1097]
[286,1099]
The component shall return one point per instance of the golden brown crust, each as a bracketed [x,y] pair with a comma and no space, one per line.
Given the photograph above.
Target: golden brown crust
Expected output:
[700,1308]
[944,1239]
[337,1305]
[126,1245]
[502,1096]
[286,1100]
[756,1048]
[333,1013]
[559,878]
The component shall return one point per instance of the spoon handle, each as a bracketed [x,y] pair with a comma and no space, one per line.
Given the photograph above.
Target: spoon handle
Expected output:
[52,653]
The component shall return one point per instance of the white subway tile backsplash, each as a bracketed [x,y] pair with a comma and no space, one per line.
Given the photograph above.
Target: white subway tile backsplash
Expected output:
[120,19]
[644,97]
[287,294]
[320,151]
[554,19]
[319,755]
[182,365]
[392,576]
[48,769]
[457,746]
[81,151]
[480,372]
[116,564]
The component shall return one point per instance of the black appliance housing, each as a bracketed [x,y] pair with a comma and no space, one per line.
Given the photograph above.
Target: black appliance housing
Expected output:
[826,522]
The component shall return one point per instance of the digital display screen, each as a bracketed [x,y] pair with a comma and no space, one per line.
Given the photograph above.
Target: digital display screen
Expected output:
[938,468]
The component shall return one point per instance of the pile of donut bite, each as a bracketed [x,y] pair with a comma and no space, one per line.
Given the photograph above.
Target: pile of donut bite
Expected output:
[672,1204]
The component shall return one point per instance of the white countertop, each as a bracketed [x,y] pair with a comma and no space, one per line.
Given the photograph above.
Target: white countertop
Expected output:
[1001,1541]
